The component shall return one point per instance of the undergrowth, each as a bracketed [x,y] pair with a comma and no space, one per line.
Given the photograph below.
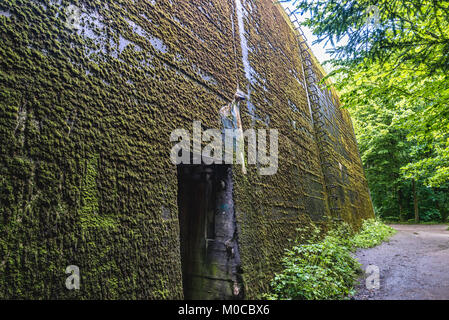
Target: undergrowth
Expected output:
[373,233]
[324,268]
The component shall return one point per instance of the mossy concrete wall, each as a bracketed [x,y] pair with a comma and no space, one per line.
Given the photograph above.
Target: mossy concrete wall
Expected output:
[85,122]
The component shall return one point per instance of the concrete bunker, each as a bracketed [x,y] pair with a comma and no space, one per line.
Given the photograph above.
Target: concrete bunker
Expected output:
[208,233]
[94,147]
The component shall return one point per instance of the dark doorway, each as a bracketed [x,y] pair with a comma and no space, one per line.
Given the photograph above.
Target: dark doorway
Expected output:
[209,249]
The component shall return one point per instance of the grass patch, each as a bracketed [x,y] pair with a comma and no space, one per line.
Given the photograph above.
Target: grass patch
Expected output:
[324,268]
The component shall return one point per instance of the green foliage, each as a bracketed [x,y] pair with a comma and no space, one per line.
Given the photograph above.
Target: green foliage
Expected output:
[411,32]
[385,151]
[431,214]
[325,269]
[373,233]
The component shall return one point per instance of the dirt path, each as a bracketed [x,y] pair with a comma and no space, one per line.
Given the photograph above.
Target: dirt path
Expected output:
[413,265]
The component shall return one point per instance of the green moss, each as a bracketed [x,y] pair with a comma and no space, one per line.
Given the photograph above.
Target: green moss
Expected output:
[89,212]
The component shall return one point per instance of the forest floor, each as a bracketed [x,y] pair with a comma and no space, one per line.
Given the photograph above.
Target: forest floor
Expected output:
[413,265]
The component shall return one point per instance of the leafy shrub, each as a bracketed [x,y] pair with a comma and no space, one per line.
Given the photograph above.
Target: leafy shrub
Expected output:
[430,214]
[373,233]
[325,269]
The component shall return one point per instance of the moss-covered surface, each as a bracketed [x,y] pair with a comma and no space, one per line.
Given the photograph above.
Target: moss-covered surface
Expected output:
[85,121]
[342,166]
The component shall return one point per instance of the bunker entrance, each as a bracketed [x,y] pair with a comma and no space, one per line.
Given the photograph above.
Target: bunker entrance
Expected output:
[208,233]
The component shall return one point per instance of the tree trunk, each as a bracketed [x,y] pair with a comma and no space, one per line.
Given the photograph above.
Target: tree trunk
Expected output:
[401,210]
[442,209]
[437,206]
[415,201]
